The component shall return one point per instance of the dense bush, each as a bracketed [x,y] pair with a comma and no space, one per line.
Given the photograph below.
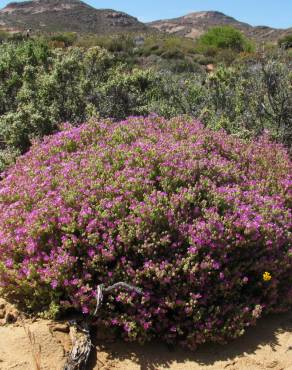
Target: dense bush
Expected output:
[14,59]
[200,220]
[248,99]
[224,37]
[167,46]
[286,42]
[16,37]
[3,36]
[65,38]
[42,87]
[112,43]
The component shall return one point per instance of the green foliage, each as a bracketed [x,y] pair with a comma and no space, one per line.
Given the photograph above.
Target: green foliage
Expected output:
[154,50]
[22,116]
[224,37]
[40,88]
[4,35]
[247,100]
[125,94]
[112,43]
[167,46]
[67,38]
[11,36]
[286,42]
[7,157]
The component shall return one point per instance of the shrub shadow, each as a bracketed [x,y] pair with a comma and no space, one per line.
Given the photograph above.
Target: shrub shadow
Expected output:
[157,355]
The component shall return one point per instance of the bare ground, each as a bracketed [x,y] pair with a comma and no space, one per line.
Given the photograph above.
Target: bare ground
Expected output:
[266,346]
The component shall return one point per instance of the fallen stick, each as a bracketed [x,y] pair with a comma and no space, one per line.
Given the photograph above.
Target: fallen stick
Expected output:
[81,346]
[80,335]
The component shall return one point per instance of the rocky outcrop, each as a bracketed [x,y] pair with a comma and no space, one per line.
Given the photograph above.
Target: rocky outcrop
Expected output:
[67,15]
[195,24]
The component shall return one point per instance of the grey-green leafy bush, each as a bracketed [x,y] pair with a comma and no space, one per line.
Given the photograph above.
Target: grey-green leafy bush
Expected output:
[41,87]
[245,99]
[286,42]
[249,99]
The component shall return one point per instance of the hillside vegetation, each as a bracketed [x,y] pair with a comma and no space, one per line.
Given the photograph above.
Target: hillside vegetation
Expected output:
[46,16]
[193,25]
[153,160]
[43,86]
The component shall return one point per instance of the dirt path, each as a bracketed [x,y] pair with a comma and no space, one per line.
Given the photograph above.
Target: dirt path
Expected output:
[267,346]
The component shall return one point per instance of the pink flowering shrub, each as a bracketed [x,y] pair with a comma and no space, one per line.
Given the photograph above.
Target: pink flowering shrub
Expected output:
[200,220]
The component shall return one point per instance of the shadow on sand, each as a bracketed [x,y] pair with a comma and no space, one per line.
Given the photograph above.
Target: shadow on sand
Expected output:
[157,355]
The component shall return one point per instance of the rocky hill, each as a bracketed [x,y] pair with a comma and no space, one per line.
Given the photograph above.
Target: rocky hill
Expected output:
[77,16]
[194,24]
[66,15]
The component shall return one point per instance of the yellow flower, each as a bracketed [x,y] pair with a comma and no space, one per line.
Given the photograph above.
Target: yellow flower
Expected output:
[267,276]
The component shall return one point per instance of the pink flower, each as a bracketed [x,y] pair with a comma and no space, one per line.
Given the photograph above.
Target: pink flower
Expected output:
[54,284]
[189,215]
[146,325]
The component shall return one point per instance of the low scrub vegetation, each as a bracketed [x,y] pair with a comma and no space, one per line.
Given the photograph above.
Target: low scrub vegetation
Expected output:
[286,42]
[42,87]
[127,158]
[225,37]
[200,220]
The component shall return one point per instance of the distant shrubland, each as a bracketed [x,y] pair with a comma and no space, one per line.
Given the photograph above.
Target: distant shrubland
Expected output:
[65,77]
[162,171]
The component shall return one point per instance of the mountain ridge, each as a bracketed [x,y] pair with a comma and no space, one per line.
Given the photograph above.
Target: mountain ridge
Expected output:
[66,15]
[194,24]
[78,16]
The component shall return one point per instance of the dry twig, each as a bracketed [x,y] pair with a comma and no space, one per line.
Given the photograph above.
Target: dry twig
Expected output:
[80,336]
[35,347]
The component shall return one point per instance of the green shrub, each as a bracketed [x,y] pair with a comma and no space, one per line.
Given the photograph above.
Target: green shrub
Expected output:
[125,93]
[67,38]
[42,87]
[285,42]
[112,43]
[223,37]
[249,99]
[4,36]
[168,47]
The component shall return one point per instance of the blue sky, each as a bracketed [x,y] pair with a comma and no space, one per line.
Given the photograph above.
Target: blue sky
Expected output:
[274,13]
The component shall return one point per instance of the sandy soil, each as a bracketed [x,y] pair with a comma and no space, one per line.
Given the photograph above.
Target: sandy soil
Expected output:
[267,346]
